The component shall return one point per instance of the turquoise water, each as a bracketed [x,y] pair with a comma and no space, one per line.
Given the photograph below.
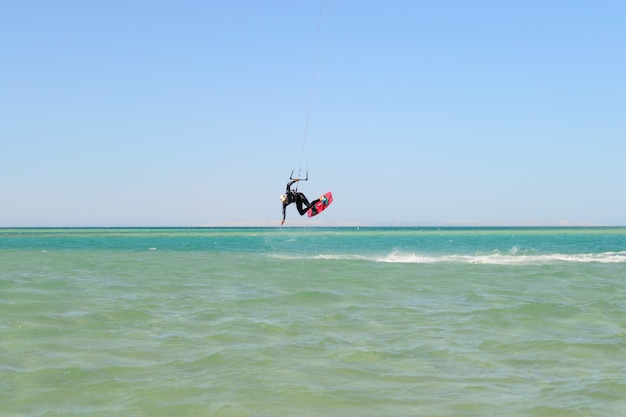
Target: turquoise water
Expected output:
[313,322]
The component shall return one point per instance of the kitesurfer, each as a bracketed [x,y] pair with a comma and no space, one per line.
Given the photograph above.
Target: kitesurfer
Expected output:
[291,196]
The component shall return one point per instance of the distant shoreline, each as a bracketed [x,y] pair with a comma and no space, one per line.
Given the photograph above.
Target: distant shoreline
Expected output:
[318,226]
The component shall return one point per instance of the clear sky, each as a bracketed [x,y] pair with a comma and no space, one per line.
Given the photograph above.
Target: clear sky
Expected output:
[191,113]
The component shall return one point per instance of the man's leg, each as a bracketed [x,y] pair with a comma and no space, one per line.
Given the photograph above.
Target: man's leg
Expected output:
[300,200]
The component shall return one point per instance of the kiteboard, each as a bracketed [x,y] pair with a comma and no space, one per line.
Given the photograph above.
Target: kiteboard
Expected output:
[320,206]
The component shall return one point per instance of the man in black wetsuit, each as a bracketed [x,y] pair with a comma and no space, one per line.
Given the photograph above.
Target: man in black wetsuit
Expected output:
[302,203]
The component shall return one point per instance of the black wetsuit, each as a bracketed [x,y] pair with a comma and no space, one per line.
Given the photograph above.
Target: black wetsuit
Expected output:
[302,203]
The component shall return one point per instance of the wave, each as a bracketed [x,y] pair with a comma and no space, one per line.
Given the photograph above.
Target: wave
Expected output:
[487,259]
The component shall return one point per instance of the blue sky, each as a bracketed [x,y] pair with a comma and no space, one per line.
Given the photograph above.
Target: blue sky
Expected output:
[190,113]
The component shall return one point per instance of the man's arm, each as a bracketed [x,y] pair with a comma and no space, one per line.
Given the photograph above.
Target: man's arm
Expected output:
[287,192]
[290,183]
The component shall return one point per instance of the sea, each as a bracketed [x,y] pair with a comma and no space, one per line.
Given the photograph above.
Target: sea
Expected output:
[313,322]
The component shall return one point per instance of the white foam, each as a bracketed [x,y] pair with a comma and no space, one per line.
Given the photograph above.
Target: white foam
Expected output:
[496,258]
[499,259]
